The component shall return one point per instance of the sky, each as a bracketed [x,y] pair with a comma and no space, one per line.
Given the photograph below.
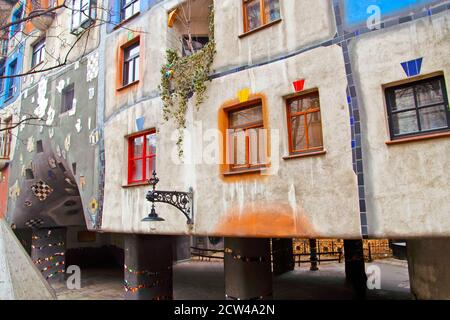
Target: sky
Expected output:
[356,10]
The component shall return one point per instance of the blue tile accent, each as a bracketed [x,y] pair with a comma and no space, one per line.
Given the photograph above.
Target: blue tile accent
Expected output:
[140,124]
[413,67]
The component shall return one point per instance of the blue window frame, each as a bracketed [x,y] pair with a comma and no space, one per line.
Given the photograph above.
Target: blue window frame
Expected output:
[2,73]
[17,15]
[11,83]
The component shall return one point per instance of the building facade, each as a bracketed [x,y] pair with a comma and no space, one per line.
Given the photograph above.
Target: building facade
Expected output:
[319,119]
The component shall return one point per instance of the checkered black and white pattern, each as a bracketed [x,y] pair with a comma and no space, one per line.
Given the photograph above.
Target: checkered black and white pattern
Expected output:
[41,190]
[34,223]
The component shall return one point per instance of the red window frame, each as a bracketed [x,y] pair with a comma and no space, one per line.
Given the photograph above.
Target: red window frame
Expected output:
[304,115]
[144,156]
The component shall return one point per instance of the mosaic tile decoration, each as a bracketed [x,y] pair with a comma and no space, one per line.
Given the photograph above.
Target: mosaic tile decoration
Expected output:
[41,190]
[413,67]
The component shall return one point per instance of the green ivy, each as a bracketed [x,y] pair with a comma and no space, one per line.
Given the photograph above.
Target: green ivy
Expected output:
[182,77]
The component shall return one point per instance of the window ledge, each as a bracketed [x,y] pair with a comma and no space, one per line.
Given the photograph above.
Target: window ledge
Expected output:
[305,155]
[136,184]
[122,22]
[267,25]
[419,138]
[132,84]
[243,171]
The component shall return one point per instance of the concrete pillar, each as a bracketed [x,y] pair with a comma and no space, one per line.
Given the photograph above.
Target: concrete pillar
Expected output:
[355,272]
[282,256]
[248,272]
[428,264]
[313,254]
[148,267]
[48,249]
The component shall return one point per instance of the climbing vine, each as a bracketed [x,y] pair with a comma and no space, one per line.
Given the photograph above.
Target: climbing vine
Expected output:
[182,77]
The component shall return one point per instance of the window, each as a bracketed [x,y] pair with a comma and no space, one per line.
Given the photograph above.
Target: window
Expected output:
[131,64]
[68,94]
[11,86]
[246,137]
[38,53]
[83,13]
[258,13]
[304,124]
[2,74]
[129,8]
[418,108]
[5,139]
[15,28]
[141,156]
[198,42]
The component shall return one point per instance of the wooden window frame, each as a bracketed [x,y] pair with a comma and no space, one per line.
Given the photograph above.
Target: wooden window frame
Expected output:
[143,157]
[304,114]
[390,103]
[236,168]
[262,12]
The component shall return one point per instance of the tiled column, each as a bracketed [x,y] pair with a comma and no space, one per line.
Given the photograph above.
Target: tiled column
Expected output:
[355,272]
[148,267]
[248,274]
[48,248]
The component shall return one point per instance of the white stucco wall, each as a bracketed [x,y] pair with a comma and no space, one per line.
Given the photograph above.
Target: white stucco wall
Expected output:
[407,184]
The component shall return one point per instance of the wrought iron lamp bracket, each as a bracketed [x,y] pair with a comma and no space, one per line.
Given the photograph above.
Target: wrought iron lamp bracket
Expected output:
[183,201]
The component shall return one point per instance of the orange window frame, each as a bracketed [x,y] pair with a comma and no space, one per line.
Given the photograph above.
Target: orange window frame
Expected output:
[262,14]
[246,128]
[303,114]
[143,157]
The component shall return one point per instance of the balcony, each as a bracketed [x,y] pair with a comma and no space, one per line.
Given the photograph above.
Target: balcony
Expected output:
[43,20]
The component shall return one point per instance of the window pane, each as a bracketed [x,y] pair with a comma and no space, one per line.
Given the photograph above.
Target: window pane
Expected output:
[253,14]
[151,144]
[138,144]
[150,166]
[272,8]
[298,133]
[136,170]
[240,151]
[246,116]
[314,130]
[257,146]
[429,93]
[133,51]
[128,12]
[404,99]
[433,118]
[405,122]
[305,103]
[136,69]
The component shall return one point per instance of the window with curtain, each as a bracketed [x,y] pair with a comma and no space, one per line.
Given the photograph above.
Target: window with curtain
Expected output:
[247,146]
[260,12]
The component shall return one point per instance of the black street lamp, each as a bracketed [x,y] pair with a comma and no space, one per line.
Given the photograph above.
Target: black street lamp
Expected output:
[183,201]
